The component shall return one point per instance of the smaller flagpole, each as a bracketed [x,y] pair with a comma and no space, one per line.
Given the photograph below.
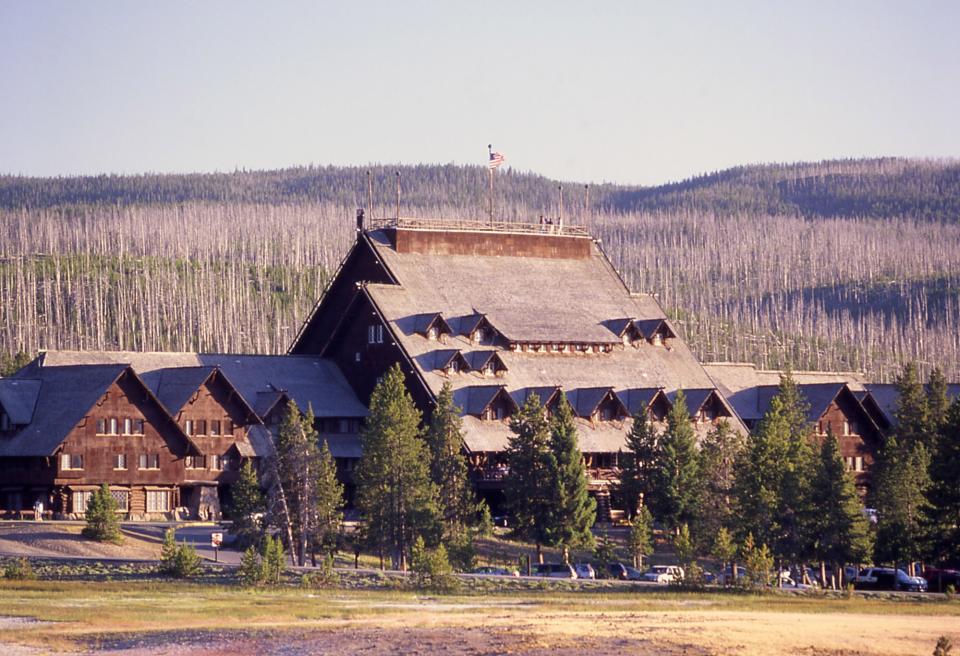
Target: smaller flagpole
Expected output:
[560,211]
[586,204]
[490,190]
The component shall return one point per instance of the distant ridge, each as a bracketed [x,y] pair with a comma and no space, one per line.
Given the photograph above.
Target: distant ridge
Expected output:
[885,187]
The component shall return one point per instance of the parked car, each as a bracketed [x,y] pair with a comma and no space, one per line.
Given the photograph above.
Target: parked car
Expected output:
[633,574]
[664,574]
[555,571]
[887,578]
[726,576]
[585,571]
[617,571]
[939,579]
[496,571]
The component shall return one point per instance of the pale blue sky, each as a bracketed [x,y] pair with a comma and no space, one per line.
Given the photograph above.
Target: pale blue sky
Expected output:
[634,92]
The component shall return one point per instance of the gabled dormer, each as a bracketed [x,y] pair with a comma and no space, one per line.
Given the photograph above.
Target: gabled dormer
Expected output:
[449,362]
[549,396]
[706,405]
[433,326]
[478,329]
[486,363]
[650,400]
[626,329]
[489,402]
[18,397]
[656,331]
[597,404]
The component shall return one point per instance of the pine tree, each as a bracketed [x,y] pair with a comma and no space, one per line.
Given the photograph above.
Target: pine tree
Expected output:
[248,503]
[676,494]
[900,484]
[448,466]
[250,571]
[574,510]
[394,490]
[841,531]
[640,539]
[724,549]
[531,466]
[721,450]
[944,491]
[101,517]
[637,464]
[296,467]
[938,402]
[912,411]
[328,504]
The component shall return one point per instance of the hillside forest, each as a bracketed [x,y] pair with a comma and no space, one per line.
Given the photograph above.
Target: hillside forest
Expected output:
[840,265]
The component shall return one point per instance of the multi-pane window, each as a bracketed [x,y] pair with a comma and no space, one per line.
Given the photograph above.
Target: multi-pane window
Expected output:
[216,462]
[188,427]
[375,334]
[215,427]
[196,462]
[127,426]
[149,461]
[227,427]
[71,461]
[122,497]
[114,426]
[158,501]
[79,500]
[120,461]
[200,426]
[101,426]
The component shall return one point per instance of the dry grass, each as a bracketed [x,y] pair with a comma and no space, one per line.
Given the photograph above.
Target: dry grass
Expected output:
[84,614]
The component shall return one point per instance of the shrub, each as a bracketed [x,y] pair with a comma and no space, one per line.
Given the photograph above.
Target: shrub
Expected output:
[19,569]
[273,560]
[250,572]
[758,562]
[101,515]
[944,647]
[484,520]
[325,577]
[180,561]
[462,552]
[431,567]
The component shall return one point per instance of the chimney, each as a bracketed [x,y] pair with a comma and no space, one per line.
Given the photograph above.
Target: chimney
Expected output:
[360,220]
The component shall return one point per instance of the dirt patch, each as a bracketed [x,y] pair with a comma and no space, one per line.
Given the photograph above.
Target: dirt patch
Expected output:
[374,642]
[46,539]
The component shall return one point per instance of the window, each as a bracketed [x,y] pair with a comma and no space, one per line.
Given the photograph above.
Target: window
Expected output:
[79,500]
[454,366]
[200,426]
[158,501]
[114,426]
[101,426]
[196,462]
[216,463]
[188,427]
[149,461]
[375,334]
[137,428]
[432,333]
[228,427]
[71,461]
[478,335]
[820,428]
[846,427]
[344,425]
[658,340]
[356,356]
[119,460]
[122,497]
[858,464]
[215,427]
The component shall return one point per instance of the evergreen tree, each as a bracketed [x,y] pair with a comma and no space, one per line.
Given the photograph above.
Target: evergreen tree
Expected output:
[448,466]
[912,411]
[841,531]
[574,510]
[900,483]
[938,402]
[329,503]
[637,464]
[101,517]
[248,503]
[531,466]
[944,492]
[725,550]
[296,465]
[640,539]
[721,450]
[676,493]
[395,493]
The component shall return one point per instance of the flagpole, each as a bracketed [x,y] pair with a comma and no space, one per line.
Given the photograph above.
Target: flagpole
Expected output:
[490,190]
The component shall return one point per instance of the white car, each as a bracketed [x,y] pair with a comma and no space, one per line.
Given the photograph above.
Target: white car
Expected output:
[664,574]
[585,571]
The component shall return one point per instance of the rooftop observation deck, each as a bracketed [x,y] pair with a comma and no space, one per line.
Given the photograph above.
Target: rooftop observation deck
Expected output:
[484,238]
[468,225]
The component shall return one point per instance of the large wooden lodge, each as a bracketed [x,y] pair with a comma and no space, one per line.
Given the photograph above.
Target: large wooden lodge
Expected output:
[498,311]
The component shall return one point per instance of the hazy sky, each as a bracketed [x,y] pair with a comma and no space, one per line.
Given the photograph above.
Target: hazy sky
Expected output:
[638,92]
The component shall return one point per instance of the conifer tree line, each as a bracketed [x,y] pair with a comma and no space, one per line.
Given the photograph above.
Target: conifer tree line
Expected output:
[785,491]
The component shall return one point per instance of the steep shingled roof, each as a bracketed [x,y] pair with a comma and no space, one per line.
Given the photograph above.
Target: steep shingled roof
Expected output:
[18,398]
[308,380]
[529,300]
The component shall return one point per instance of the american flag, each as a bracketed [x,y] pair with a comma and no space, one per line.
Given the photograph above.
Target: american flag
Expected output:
[496,159]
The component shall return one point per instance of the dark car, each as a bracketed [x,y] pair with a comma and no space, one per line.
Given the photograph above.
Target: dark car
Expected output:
[617,571]
[939,579]
[887,578]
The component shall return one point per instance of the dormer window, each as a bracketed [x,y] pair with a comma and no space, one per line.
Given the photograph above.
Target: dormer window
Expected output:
[657,340]
[479,335]
[433,333]
[453,367]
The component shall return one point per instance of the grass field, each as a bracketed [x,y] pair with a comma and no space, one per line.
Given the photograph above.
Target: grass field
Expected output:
[168,618]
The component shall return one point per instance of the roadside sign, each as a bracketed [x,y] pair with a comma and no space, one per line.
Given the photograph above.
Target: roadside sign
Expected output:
[216,539]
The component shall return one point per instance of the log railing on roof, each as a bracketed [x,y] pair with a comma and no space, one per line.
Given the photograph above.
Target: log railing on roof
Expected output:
[478,226]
